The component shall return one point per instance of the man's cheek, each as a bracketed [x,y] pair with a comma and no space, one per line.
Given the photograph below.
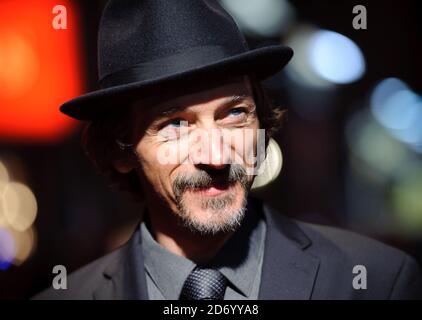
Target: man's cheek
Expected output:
[245,147]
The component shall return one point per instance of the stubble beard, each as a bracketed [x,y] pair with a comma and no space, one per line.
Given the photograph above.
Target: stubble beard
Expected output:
[221,216]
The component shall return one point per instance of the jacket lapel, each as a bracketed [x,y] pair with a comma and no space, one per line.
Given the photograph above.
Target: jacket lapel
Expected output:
[288,271]
[125,279]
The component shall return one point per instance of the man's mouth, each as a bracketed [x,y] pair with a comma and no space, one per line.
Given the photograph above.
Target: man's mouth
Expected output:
[214,190]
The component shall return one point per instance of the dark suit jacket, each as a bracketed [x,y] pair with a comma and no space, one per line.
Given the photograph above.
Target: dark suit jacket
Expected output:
[301,261]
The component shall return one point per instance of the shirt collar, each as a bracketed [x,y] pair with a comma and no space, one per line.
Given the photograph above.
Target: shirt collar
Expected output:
[238,260]
[167,270]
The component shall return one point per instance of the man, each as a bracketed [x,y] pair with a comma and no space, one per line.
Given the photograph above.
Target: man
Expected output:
[179,123]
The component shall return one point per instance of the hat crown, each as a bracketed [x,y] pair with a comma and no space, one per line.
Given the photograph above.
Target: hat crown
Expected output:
[136,32]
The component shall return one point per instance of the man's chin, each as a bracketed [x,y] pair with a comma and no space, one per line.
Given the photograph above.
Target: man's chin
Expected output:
[213,211]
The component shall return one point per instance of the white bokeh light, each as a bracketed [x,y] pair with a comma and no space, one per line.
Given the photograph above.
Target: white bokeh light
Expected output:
[266,18]
[323,58]
[335,57]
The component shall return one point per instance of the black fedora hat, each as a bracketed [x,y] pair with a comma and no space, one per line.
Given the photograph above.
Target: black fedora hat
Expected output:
[145,44]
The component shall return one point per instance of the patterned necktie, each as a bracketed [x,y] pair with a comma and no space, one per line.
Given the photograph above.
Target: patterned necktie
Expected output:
[204,284]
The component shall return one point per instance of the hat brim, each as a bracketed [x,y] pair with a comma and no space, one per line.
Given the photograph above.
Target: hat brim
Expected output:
[262,62]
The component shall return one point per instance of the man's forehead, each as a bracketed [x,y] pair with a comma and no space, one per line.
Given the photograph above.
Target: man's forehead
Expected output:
[172,100]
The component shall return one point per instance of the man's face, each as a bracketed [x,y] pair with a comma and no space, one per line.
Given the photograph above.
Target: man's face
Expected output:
[194,151]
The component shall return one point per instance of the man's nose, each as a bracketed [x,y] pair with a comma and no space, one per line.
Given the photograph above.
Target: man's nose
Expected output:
[218,153]
[213,151]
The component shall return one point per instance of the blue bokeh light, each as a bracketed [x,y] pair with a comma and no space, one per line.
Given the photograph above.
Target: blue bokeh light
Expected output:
[7,249]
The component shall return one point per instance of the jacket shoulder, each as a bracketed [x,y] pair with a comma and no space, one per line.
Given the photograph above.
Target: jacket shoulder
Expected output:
[82,282]
[352,244]
[389,272]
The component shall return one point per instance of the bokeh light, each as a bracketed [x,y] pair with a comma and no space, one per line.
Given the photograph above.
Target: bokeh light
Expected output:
[18,210]
[7,249]
[399,110]
[407,198]
[265,18]
[272,165]
[335,57]
[379,154]
[391,169]
[25,243]
[19,206]
[19,65]
[324,58]
[39,70]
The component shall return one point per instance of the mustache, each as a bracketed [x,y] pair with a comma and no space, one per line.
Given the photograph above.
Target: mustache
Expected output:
[207,178]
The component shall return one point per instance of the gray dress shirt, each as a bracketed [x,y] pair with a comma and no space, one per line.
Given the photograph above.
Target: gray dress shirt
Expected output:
[240,261]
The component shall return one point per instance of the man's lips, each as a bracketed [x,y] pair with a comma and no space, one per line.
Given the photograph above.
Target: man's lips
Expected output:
[214,190]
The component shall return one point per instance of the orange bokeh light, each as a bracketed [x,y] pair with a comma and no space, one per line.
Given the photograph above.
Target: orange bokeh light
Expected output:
[39,70]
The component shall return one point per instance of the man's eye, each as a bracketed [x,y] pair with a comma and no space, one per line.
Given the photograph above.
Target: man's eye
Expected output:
[237,111]
[177,123]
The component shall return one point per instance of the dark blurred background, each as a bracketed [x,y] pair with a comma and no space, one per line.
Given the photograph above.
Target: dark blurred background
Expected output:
[351,145]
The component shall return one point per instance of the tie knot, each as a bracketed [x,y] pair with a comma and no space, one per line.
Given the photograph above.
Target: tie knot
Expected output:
[204,284]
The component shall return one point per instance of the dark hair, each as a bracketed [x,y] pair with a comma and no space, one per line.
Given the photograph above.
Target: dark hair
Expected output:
[102,139]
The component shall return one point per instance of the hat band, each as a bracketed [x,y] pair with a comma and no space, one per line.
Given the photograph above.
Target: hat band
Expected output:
[188,60]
